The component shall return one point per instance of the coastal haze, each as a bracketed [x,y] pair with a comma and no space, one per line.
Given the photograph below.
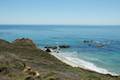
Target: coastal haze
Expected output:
[95,48]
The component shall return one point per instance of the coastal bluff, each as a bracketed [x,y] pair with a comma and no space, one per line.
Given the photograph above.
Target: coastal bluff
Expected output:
[25,43]
[22,60]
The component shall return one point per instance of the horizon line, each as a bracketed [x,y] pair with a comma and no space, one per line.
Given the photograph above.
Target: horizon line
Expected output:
[69,24]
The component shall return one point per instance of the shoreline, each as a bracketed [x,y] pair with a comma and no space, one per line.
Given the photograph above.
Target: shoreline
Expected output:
[23,54]
[73,64]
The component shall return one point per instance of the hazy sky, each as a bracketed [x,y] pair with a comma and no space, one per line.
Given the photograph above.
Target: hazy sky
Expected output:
[83,12]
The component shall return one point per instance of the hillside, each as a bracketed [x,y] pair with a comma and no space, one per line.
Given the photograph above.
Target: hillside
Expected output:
[22,60]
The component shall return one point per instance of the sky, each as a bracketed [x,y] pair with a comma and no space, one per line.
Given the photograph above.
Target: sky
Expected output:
[70,12]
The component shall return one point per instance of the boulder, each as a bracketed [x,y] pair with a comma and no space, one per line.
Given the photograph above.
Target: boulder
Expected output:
[51,47]
[48,50]
[59,46]
[64,46]
[88,41]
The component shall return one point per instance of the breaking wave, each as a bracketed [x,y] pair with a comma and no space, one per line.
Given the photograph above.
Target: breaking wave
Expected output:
[77,62]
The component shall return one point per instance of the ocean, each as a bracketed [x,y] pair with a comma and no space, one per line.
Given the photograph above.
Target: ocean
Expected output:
[94,47]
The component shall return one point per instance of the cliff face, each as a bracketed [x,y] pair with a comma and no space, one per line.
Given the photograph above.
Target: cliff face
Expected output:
[22,60]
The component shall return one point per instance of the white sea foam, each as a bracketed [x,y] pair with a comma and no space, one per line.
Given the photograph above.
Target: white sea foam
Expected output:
[77,62]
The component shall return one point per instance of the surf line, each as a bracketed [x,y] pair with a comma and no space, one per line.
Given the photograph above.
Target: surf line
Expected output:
[76,62]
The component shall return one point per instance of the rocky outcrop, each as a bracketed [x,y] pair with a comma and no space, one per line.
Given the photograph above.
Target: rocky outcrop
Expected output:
[24,43]
[23,40]
[64,46]
[21,43]
[50,47]
[59,46]
[48,50]
[92,43]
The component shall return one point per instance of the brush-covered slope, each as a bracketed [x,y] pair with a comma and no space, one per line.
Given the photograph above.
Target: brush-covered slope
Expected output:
[22,60]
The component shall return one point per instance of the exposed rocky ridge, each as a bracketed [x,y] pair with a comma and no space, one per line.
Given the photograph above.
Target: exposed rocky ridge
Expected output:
[22,53]
[24,43]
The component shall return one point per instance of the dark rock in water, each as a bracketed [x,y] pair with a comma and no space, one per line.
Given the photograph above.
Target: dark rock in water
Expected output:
[56,48]
[59,46]
[96,44]
[87,41]
[48,50]
[51,47]
[64,46]
[24,43]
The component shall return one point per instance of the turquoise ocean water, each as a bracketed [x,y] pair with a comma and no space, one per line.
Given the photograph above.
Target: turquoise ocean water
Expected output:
[93,47]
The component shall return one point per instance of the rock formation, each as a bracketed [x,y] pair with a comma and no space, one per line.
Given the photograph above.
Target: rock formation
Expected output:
[24,43]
